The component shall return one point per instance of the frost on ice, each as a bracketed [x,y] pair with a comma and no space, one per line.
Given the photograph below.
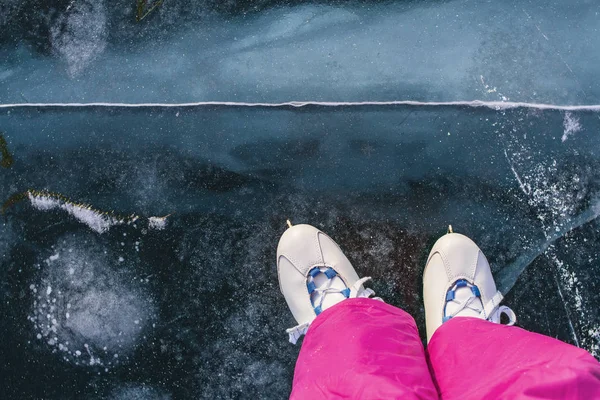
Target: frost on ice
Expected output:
[562,196]
[79,35]
[158,223]
[571,126]
[88,308]
[96,220]
[138,392]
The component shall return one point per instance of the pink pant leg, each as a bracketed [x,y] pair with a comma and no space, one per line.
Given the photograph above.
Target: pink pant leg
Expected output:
[362,349]
[476,359]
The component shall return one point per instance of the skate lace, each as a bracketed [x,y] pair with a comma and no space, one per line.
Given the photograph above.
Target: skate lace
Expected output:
[354,291]
[491,311]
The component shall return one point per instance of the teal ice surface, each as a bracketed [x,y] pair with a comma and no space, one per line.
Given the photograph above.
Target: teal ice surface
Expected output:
[532,51]
[193,310]
[383,181]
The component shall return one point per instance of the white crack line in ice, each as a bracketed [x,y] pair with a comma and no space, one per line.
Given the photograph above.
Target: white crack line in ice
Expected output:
[510,164]
[557,53]
[563,301]
[495,105]
[509,275]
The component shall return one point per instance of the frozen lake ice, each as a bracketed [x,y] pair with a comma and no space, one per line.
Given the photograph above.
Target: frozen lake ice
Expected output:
[266,50]
[200,295]
[137,246]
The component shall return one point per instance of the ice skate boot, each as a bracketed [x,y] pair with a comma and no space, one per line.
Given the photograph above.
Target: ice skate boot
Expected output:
[458,282]
[314,275]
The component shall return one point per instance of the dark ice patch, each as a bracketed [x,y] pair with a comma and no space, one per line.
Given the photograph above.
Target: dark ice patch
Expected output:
[277,152]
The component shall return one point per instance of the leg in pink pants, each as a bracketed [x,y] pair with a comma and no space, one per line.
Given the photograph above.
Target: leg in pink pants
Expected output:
[366,349]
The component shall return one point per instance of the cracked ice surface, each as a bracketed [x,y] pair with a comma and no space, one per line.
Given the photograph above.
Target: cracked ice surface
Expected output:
[191,309]
[383,181]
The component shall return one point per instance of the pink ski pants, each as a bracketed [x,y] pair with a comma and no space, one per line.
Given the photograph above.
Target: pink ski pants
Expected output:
[366,349]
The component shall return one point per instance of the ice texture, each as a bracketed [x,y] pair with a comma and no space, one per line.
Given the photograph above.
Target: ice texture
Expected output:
[345,51]
[158,223]
[380,123]
[384,182]
[79,34]
[86,307]
[571,125]
[96,220]
[8,11]
[7,238]
[138,392]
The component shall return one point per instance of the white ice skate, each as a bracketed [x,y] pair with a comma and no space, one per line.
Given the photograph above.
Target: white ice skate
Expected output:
[458,282]
[314,275]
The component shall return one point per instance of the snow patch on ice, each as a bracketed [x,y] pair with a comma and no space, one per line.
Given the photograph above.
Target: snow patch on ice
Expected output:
[43,203]
[158,223]
[94,219]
